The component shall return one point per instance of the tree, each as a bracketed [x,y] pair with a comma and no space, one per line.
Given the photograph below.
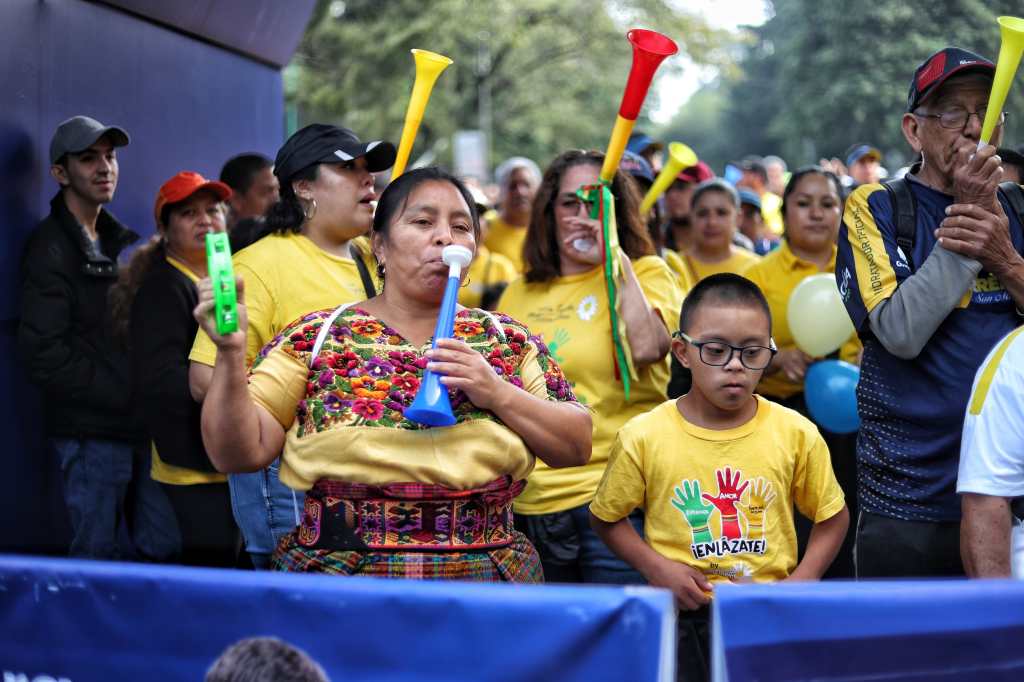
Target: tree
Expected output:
[817,77]
[553,69]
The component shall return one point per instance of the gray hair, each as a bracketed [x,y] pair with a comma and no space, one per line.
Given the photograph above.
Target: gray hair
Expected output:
[504,170]
[769,160]
[715,185]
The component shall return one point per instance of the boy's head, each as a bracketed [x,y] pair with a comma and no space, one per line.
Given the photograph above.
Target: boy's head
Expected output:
[264,659]
[724,312]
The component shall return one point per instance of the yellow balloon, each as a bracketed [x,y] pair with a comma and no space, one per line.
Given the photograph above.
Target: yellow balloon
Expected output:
[817,317]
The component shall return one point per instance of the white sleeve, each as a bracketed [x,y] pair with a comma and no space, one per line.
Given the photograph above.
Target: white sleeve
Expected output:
[992,448]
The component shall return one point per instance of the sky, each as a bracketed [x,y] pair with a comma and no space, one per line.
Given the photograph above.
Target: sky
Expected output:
[674,90]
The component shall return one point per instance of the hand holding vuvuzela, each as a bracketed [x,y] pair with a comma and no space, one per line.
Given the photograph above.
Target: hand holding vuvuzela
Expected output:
[432,406]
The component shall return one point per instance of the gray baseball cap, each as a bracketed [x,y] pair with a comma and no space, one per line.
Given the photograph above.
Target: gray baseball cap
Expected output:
[78,133]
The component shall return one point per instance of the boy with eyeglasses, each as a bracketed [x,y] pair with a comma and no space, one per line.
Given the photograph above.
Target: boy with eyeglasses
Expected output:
[718,470]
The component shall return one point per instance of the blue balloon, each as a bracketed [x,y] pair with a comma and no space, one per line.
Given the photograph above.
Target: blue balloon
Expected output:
[830,390]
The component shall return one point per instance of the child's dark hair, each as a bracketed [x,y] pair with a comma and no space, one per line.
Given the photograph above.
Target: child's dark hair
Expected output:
[724,288]
[264,659]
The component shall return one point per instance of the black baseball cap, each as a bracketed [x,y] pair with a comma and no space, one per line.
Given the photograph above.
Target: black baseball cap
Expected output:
[319,143]
[78,133]
[939,67]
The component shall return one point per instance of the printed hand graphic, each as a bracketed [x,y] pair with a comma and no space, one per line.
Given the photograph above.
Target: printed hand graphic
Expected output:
[761,495]
[728,496]
[694,511]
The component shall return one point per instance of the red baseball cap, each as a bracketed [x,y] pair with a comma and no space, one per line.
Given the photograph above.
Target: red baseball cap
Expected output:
[182,186]
[696,174]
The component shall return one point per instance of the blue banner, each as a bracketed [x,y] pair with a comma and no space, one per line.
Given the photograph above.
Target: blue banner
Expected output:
[888,630]
[81,621]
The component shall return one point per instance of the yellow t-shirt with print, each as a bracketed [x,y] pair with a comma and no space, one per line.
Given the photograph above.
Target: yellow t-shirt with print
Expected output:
[506,239]
[571,314]
[721,501]
[738,262]
[777,275]
[161,471]
[678,266]
[487,269]
[287,276]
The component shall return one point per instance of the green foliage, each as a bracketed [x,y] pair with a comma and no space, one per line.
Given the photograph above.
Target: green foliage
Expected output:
[555,69]
[819,76]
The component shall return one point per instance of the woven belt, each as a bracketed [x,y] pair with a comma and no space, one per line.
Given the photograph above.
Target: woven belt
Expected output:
[408,517]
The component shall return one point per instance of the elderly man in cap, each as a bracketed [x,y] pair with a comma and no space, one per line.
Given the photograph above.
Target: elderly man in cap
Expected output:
[931,281]
[65,340]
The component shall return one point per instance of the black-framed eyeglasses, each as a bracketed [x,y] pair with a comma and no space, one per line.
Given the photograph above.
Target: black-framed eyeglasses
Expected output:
[957,117]
[718,354]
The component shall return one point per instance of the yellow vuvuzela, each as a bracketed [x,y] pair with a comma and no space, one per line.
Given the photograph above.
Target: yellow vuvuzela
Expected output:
[679,157]
[429,66]
[1012,33]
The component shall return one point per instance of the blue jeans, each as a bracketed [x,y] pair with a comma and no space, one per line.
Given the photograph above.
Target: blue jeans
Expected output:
[110,496]
[571,552]
[265,510]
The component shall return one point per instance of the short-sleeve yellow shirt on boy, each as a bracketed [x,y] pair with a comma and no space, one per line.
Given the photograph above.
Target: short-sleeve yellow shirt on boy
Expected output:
[571,314]
[721,501]
[287,276]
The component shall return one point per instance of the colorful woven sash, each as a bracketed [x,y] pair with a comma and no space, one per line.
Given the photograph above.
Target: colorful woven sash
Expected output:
[408,517]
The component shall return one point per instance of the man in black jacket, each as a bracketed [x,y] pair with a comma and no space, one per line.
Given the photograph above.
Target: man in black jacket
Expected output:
[65,338]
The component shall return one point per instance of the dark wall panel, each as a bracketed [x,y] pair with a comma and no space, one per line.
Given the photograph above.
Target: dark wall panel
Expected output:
[266,29]
[187,104]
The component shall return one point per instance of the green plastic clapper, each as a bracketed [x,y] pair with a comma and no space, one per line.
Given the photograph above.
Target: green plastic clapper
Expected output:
[222,277]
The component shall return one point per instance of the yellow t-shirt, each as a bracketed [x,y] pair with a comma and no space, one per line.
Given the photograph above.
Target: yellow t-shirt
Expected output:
[487,270]
[285,277]
[571,314]
[721,501]
[344,410]
[677,265]
[777,274]
[771,212]
[738,261]
[161,471]
[506,239]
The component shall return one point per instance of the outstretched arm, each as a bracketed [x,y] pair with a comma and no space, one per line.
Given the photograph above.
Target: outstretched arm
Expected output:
[239,435]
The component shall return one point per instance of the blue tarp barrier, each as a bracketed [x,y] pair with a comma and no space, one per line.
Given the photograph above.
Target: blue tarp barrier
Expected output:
[82,621]
[893,630]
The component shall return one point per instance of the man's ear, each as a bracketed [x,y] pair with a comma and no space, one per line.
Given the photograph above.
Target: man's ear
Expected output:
[912,131]
[678,349]
[60,174]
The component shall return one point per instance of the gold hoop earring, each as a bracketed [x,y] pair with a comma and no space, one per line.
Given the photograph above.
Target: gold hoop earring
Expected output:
[466,283]
[309,212]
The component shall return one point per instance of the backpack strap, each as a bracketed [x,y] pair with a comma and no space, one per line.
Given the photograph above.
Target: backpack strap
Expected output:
[364,273]
[905,211]
[1014,194]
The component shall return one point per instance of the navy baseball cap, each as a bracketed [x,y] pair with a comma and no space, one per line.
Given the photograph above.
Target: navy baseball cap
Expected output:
[637,166]
[640,142]
[858,151]
[939,67]
[749,197]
